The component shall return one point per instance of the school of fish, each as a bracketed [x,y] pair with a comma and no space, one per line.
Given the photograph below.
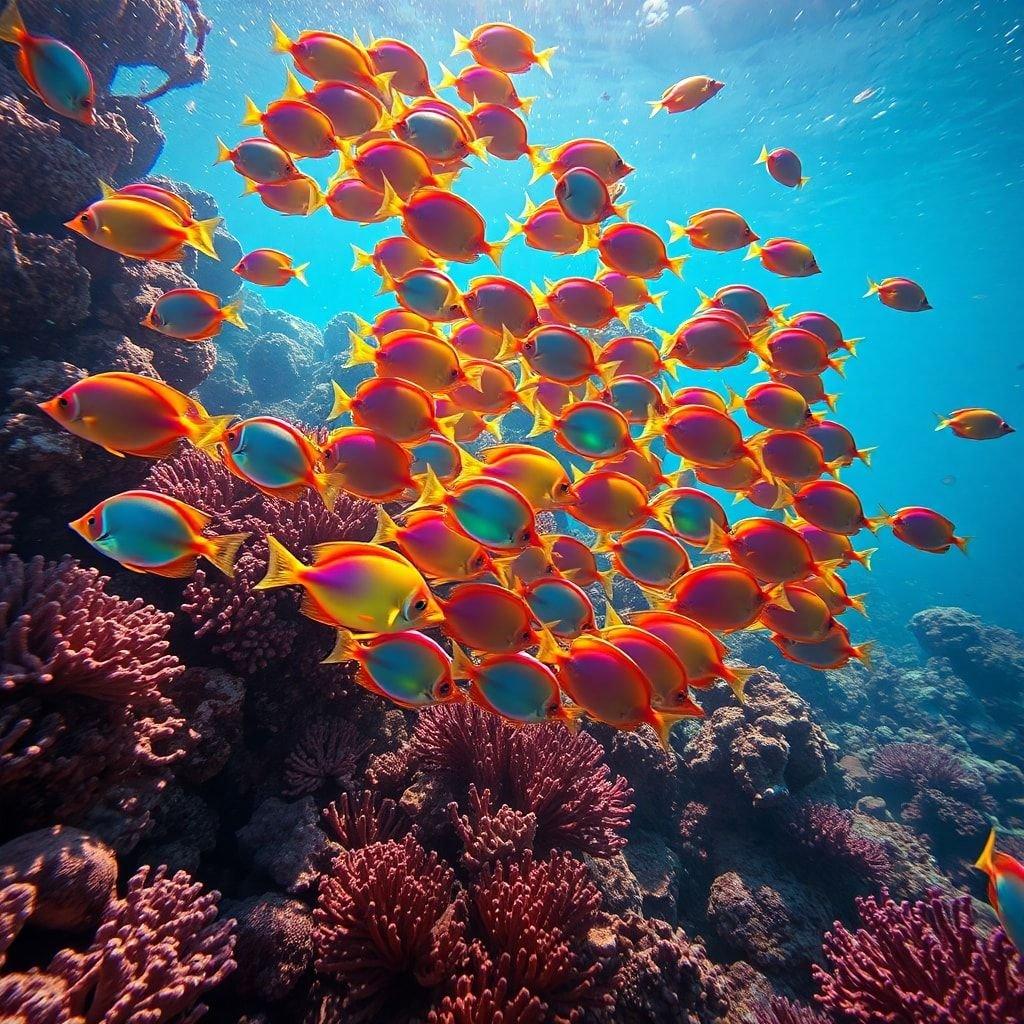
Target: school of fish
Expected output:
[531,629]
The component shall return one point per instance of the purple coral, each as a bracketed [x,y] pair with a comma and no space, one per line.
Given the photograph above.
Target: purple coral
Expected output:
[490,835]
[925,766]
[920,963]
[824,833]
[83,695]
[156,953]
[252,628]
[328,753]
[388,927]
[373,820]
[533,918]
[557,776]
[780,1010]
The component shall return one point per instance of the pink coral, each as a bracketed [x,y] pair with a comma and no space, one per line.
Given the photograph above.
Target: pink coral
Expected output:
[481,999]
[327,754]
[252,628]
[83,696]
[373,820]
[490,835]
[156,953]
[920,963]
[17,902]
[824,833]
[389,928]
[557,776]
[533,918]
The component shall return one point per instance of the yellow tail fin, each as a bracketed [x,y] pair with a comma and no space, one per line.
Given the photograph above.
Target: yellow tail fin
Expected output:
[12,28]
[676,231]
[984,862]
[283,568]
[206,433]
[461,43]
[448,79]
[754,251]
[222,551]
[387,529]
[737,680]
[223,152]
[360,258]
[675,265]
[540,165]
[293,89]
[346,648]
[342,401]
[232,313]
[253,114]
[763,158]
[543,59]
[462,664]
[526,103]
[872,289]
[432,494]
[200,236]
[299,273]
[494,251]
[662,721]
[655,106]
[361,351]
[281,43]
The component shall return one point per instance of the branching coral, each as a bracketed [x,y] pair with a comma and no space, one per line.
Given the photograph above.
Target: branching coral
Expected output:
[83,701]
[920,963]
[389,927]
[782,1011]
[557,776]
[328,753]
[824,833]
[373,820]
[533,918]
[490,835]
[252,628]
[481,999]
[925,766]
[156,953]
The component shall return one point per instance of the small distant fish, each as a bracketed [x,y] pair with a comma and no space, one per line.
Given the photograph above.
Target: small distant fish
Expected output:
[606,96]
[687,94]
[865,94]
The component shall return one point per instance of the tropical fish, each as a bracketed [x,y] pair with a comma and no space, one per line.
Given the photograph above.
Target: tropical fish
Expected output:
[394,162]
[500,304]
[487,617]
[832,547]
[634,355]
[651,558]
[899,293]
[1005,888]
[367,464]
[785,257]
[442,137]
[51,69]
[258,160]
[474,341]
[708,341]
[719,230]
[536,474]
[595,154]
[699,650]
[575,560]
[704,437]
[637,398]
[275,457]
[720,596]
[556,353]
[416,356]
[391,320]
[686,94]
[298,196]
[627,291]
[793,350]
[409,669]
[833,507]
[435,548]
[609,502]
[269,268]
[837,444]
[925,529]
[834,651]
[608,685]
[561,605]
[784,166]
[405,70]
[516,686]
[392,406]
[365,588]
[395,257]
[792,456]
[155,194]
[150,532]
[584,198]
[132,415]
[582,302]
[297,127]
[743,300]
[479,84]
[502,132]
[429,292]
[352,112]
[143,230]
[637,250]
[658,662]
[190,314]
[486,509]
[825,328]
[547,228]
[975,424]
[327,57]
[439,453]
[690,513]
[773,405]
[592,430]
[353,200]
[799,615]
[505,47]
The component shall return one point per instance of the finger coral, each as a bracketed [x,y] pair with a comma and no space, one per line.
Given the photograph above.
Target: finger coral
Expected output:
[327,755]
[558,777]
[920,963]
[389,928]
[156,953]
[83,696]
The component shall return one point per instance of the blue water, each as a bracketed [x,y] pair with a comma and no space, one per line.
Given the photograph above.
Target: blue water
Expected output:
[921,179]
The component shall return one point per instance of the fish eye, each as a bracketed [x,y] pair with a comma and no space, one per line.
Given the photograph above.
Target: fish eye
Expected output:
[563,487]
[444,689]
[85,103]
[525,535]
[62,403]
[526,635]
[480,561]
[91,521]
[456,372]
[530,346]
[420,605]
[553,710]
